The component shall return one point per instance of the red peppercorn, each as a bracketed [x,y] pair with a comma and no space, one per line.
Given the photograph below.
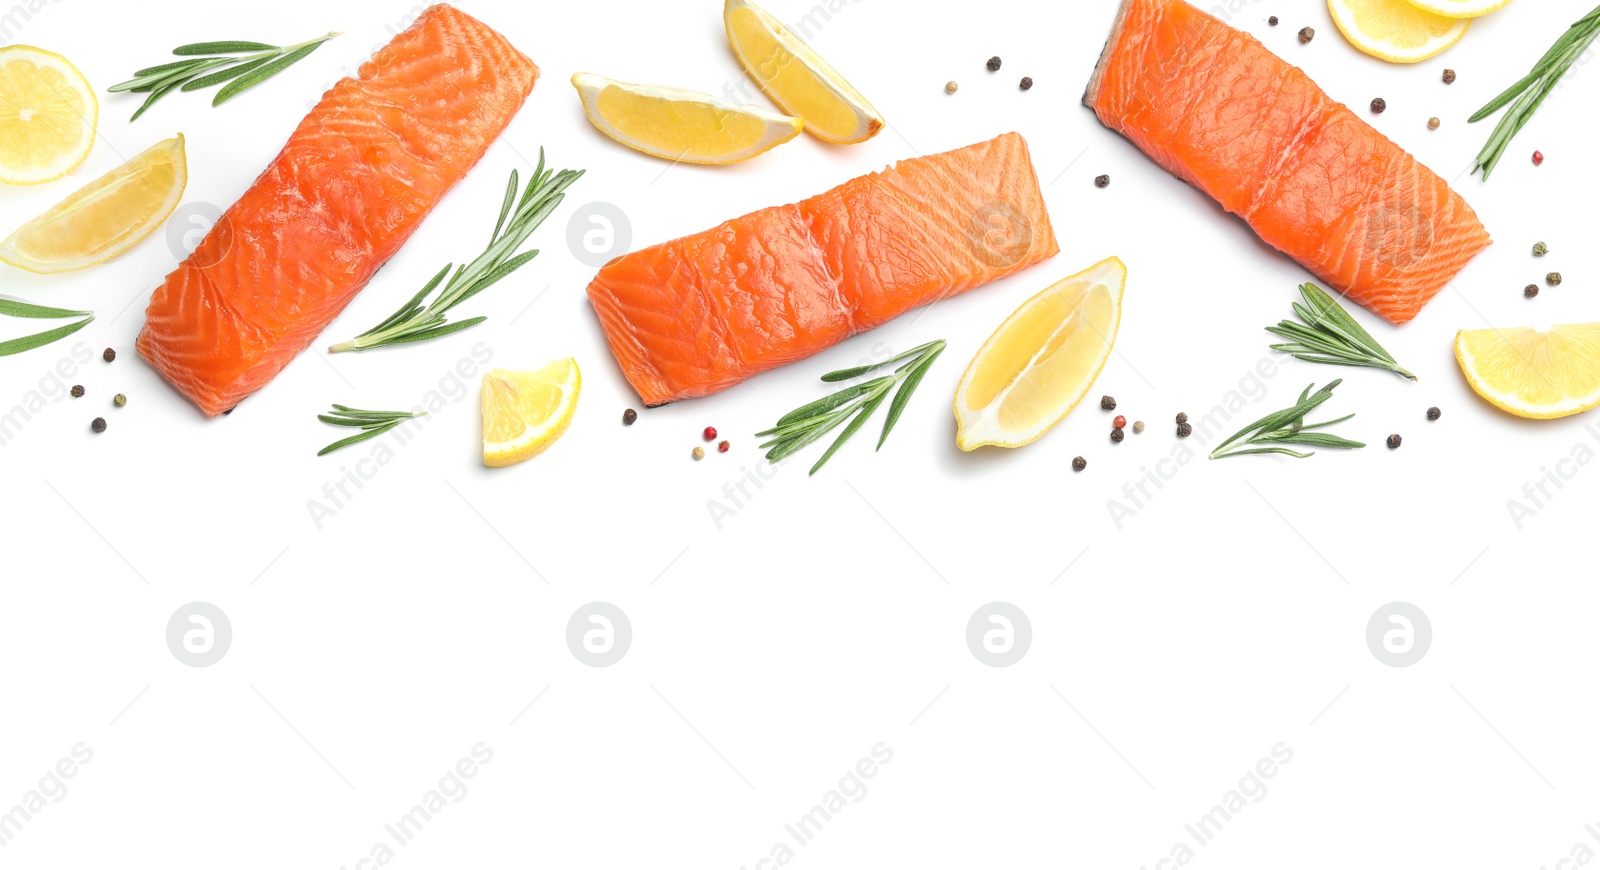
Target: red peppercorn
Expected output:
[1119,423]
[1538,158]
[710,433]
[723,447]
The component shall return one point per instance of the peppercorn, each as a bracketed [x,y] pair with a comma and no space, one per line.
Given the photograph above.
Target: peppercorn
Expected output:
[1272,21]
[1530,291]
[629,416]
[699,453]
[1378,105]
[1433,123]
[1079,463]
[119,400]
[1138,426]
[1306,35]
[1184,430]
[108,354]
[1102,181]
[1538,158]
[99,424]
[1540,249]
[1107,403]
[1117,436]
[1449,76]
[994,63]
[77,391]
[1182,417]
[950,87]
[1553,279]
[710,433]
[723,447]
[1119,422]
[1433,413]
[1394,442]
[1026,83]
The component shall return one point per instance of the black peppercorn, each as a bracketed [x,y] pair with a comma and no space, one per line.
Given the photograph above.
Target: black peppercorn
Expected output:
[1117,436]
[1306,35]
[1378,105]
[629,416]
[99,424]
[1102,181]
[1449,76]
[1079,463]
[108,355]
[1107,403]
[1184,430]
[1273,21]
[1531,290]
[1393,442]
[1433,413]
[1025,83]
[1182,417]
[994,63]
[77,391]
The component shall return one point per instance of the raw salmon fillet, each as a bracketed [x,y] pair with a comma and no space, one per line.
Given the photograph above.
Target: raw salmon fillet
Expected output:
[699,314]
[354,181]
[1216,108]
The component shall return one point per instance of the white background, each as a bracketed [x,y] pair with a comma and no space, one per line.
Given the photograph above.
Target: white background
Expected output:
[826,615]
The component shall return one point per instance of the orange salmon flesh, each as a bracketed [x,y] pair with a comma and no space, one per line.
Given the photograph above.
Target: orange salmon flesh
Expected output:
[699,314]
[351,185]
[1217,109]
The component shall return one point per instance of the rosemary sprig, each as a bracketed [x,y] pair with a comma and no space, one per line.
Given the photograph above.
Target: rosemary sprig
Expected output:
[243,65]
[807,423]
[1288,426]
[1330,335]
[1530,90]
[414,322]
[15,308]
[372,424]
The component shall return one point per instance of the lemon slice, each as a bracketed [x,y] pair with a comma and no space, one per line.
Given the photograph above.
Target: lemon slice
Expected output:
[525,412]
[1040,362]
[48,114]
[1396,30]
[1540,375]
[799,81]
[681,125]
[106,217]
[1459,8]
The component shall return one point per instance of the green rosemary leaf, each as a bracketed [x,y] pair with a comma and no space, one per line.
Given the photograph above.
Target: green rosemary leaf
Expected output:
[17,308]
[414,305]
[505,207]
[438,331]
[223,47]
[827,403]
[1258,450]
[261,74]
[159,69]
[217,78]
[29,342]
[372,424]
[858,371]
[902,396]
[356,439]
[855,425]
[155,94]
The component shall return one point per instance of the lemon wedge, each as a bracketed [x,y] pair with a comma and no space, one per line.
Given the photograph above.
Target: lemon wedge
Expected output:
[1459,8]
[1396,30]
[525,412]
[799,81]
[1042,360]
[1540,375]
[48,114]
[681,125]
[106,217]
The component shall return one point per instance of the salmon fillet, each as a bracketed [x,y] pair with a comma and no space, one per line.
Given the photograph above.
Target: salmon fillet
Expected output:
[1214,107]
[354,181]
[699,314]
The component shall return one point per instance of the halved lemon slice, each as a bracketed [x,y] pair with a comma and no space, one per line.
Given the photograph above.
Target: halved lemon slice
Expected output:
[678,124]
[48,114]
[525,412]
[106,217]
[1540,375]
[1459,8]
[1042,360]
[1396,30]
[799,81]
